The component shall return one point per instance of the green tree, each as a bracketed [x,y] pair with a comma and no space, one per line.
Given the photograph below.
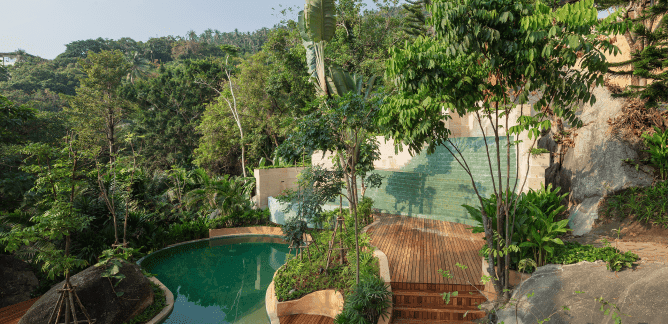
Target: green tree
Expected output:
[344,125]
[231,103]
[268,103]
[170,108]
[139,66]
[159,49]
[490,56]
[347,134]
[80,49]
[649,59]
[4,73]
[416,21]
[60,177]
[12,120]
[97,108]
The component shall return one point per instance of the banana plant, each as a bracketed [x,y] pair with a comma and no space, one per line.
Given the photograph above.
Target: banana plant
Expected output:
[317,24]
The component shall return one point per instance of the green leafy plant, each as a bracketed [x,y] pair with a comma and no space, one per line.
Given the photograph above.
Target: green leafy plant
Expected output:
[368,303]
[112,261]
[615,313]
[294,230]
[159,303]
[544,234]
[658,148]
[534,229]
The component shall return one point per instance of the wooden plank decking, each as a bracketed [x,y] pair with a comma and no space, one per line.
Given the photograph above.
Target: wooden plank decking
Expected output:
[13,313]
[305,319]
[417,248]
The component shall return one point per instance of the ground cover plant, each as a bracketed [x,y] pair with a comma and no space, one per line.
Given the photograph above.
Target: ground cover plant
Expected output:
[649,205]
[317,253]
[364,302]
[159,303]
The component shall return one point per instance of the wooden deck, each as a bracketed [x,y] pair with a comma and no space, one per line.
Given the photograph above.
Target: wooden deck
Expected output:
[305,319]
[13,313]
[416,249]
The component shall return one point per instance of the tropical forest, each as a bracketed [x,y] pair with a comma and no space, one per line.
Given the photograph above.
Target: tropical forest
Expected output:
[119,148]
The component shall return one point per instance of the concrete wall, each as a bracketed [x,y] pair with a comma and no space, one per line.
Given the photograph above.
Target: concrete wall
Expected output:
[271,182]
[435,186]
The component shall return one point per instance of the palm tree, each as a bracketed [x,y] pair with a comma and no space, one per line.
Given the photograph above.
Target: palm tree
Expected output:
[192,35]
[222,195]
[207,36]
[139,66]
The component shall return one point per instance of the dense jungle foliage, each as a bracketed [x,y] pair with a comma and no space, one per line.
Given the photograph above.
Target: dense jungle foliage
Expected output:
[153,143]
[143,134]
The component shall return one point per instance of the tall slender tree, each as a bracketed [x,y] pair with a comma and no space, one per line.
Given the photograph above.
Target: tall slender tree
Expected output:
[489,56]
[97,107]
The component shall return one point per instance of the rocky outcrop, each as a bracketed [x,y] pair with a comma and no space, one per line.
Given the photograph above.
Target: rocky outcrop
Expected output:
[591,165]
[18,281]
[97,295]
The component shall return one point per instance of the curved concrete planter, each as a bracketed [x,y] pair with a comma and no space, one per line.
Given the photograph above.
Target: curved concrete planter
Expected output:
[169,300]
[385,274]
[324,302]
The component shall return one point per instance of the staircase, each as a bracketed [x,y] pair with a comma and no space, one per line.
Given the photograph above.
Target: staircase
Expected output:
[425,306]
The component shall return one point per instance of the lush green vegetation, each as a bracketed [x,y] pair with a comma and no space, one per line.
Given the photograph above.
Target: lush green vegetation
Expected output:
[311,271]
[142,145]
[159,303]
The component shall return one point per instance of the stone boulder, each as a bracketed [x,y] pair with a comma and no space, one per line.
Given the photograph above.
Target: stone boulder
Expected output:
[97,296]
[592,165]
[18,281]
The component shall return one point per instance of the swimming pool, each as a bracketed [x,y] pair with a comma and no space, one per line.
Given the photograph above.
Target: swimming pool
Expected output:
[218,280]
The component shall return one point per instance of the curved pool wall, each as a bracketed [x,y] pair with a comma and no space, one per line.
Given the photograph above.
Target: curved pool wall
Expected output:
[220,279]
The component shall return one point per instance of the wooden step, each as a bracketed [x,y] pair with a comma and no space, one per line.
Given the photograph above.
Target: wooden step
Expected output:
[411,321]
[419,299]
[436,314]
[435,287]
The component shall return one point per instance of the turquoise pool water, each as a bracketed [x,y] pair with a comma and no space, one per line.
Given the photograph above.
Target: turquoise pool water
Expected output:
[219,280]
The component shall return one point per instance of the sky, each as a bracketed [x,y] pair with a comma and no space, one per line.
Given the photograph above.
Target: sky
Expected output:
[43,27]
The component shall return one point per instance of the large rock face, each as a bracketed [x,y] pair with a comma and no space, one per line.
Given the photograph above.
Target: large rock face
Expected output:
[18,281]
[96,294]
[593,167]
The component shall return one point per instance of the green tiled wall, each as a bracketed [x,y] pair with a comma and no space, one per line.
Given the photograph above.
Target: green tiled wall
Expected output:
[435,186]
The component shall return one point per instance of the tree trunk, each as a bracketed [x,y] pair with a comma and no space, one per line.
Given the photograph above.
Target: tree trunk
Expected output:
[499,215]
[357,241]
[110,134]
[506,295]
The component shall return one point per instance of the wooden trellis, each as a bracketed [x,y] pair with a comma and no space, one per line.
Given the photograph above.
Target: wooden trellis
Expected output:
[340,222]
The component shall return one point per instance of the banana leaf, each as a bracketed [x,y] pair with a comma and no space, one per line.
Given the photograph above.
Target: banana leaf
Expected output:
[320,20]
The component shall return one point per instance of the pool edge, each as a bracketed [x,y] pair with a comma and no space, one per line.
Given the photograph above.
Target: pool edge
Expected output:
[213,234]
[169,300]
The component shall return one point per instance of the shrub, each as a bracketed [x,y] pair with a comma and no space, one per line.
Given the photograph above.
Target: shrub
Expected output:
[574,252]
[294,230]
[367,303]
[301,277]
[159,302]
[186,231]
[535,231]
